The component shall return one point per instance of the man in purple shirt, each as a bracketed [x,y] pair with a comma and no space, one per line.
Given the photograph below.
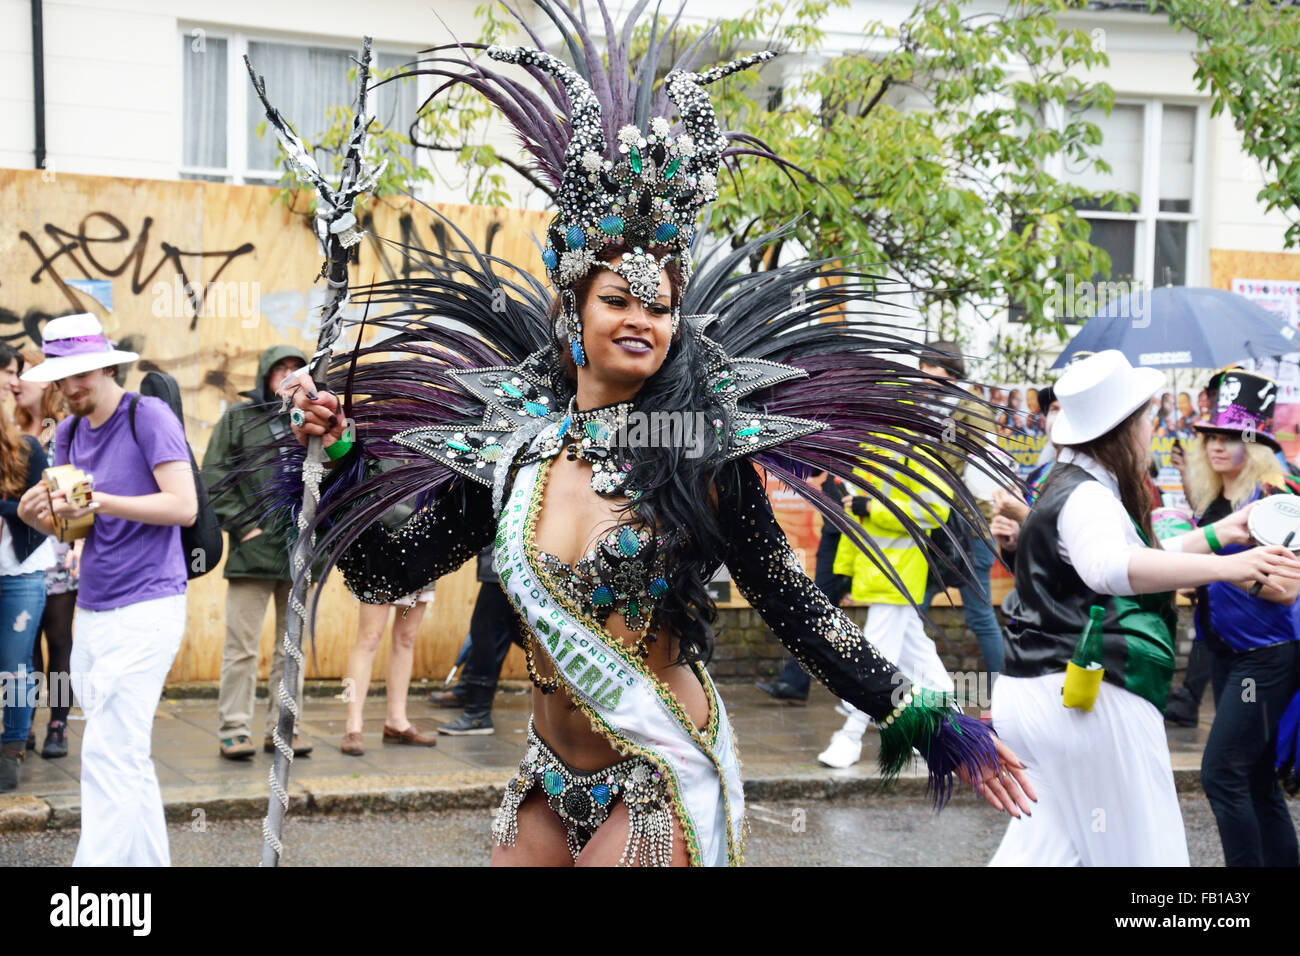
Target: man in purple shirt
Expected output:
[131,603]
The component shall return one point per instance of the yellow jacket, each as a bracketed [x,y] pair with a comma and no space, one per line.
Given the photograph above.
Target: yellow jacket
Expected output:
[870,583]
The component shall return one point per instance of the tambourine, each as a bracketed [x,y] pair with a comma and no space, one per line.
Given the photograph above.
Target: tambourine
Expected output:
[1171,522]
[1276,520]
[78,486]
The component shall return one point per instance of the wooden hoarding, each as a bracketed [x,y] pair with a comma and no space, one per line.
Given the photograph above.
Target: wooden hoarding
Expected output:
[127,249]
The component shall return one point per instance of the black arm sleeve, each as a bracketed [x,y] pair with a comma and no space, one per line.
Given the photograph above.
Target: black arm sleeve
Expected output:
[384,565]
[820,636]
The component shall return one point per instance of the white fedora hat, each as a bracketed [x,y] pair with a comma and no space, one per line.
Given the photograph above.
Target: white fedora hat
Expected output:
[74,344]
[1098,393]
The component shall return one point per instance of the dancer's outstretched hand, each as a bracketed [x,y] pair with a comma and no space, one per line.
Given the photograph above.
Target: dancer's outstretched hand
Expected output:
[1006,786]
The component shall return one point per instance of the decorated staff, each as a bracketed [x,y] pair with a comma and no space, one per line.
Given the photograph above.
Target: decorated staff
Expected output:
[336,229]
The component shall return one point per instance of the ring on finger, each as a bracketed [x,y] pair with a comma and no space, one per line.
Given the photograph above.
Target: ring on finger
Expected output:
[298,417]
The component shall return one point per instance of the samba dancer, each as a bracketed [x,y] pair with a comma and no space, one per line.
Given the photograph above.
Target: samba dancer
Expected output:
[545,429]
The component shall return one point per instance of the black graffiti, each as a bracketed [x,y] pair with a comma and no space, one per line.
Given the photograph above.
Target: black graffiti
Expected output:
[29,325]
[87,242]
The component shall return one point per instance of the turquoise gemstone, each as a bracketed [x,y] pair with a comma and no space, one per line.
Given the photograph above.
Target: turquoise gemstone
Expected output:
[658,588]
[579,356]
[512,390]
[749,430]
[671,169]
[575,237]
[628,542]
[600,793]
[564,426]
[490,452]
[597,431]
[553,782]
[536,409]
[458,445]
[666,231]
[612,225]
[602,596]
[549,258]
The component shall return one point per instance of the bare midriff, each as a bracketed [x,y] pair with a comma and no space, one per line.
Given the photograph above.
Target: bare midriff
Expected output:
[571,519]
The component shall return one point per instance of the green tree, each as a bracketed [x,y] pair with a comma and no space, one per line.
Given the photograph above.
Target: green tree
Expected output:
[1248,59]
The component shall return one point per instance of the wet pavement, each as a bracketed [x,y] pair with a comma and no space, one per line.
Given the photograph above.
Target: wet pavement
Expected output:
[886,831]
[777,741]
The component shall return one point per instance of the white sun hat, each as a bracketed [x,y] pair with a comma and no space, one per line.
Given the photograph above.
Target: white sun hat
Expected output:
[74,344]
[1098,393]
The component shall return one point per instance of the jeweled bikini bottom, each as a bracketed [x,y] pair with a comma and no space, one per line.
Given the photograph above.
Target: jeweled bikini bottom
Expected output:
[583,802]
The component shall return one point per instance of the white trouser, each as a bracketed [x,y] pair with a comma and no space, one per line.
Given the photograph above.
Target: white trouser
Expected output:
[120,659]
[898,633]
[1105,788]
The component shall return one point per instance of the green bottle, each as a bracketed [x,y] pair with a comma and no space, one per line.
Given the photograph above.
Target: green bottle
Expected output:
[1088,652]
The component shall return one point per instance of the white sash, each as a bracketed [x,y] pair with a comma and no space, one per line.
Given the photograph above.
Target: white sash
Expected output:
[624,703]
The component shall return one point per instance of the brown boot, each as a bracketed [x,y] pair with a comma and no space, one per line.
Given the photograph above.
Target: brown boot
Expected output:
[352,745]
[411,735]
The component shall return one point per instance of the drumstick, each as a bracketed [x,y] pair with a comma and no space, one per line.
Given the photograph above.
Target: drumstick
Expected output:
[1259,585]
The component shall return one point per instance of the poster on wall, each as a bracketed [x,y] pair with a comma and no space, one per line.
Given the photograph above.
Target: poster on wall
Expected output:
[1282,298]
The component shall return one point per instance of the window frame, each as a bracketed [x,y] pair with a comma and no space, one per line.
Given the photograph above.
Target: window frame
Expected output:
[237,125]
[1148,214]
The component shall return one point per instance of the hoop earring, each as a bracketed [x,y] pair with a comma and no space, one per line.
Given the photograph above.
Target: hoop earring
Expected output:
[574,326]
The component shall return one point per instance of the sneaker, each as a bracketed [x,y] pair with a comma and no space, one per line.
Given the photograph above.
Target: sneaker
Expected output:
[237,748]
[780,690]
[843,752]
[10,762]
[56,740]
[301,747]
[465,725]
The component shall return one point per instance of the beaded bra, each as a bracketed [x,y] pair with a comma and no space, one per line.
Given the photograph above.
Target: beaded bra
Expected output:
[624,572]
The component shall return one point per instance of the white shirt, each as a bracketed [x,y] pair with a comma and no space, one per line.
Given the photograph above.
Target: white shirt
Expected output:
[1094,533]
[40,559]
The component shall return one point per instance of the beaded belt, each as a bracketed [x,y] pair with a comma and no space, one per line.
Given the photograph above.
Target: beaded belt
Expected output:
[583,802]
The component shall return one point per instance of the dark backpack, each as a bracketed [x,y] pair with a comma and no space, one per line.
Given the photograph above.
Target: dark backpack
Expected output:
[202,541]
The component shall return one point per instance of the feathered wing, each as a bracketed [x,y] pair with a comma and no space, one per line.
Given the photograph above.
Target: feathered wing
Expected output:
[839,327]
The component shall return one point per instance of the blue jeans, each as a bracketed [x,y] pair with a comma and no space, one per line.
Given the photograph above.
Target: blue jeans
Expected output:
[978,608]
[22,600]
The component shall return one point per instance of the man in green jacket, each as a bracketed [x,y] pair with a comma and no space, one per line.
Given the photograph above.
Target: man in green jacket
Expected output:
[257,560]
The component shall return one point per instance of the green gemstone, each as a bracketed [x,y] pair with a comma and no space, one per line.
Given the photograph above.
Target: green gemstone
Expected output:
[458,445]
[750,430]
[671,169]
[511,390]
[490,452]
[628,542]
[636,160]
